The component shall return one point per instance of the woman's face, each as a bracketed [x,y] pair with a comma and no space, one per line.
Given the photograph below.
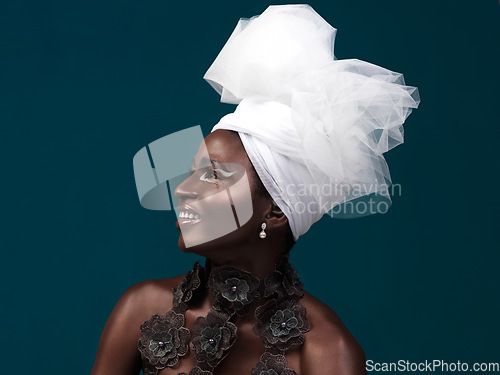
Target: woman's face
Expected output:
[219,204]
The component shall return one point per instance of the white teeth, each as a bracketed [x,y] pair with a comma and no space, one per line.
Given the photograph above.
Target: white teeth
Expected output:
[187,215]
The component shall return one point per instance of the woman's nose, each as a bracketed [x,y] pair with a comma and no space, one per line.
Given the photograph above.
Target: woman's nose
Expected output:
[185,190]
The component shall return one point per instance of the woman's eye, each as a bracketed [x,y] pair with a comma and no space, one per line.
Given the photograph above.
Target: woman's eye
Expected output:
[212,175]
[209,176]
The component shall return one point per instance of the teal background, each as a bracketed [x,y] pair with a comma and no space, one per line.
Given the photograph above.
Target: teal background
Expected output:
[84,85]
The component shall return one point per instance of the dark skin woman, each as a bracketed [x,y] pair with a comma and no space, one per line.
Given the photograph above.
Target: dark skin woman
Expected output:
[329,348]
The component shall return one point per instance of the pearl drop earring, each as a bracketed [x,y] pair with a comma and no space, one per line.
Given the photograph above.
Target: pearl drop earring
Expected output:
[263,234]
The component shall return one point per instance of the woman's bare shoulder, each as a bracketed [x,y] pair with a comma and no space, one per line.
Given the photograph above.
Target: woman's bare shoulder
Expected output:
[117,351]
[151,296]
[321,314]
[329,347]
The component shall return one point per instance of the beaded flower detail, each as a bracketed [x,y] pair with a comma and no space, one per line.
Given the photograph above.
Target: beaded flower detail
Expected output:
[163,340]
[271,364]
[234,290]
[281,324]
[213,335]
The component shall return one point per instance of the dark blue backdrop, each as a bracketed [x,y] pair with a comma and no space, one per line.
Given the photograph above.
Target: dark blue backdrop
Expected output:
[87,84]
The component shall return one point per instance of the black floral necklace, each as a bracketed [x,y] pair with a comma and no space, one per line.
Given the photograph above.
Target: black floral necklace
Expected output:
[281,322]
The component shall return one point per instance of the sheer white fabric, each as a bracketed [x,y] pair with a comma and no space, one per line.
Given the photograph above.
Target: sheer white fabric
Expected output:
[314,127]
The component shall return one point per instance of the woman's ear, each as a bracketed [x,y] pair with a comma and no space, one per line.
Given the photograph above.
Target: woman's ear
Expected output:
[275,218]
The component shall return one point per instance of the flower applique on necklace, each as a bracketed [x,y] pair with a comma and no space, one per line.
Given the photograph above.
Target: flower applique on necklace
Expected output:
[164,339]
[281,322]
[234,290]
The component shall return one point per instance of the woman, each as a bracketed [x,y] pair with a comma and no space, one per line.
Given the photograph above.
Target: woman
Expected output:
[305,123]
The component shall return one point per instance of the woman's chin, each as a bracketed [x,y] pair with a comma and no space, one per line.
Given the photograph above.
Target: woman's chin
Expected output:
[182,245]
[184,232]
[194,245]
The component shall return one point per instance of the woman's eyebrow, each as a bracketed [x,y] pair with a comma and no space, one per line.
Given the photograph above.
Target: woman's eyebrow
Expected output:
[204,161]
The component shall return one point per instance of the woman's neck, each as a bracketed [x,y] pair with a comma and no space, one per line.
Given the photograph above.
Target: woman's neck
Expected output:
[258,264]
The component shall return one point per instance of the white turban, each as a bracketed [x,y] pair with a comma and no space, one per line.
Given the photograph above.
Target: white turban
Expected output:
[315,128]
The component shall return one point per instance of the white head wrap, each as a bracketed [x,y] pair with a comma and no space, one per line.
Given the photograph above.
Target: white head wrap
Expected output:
[315,128]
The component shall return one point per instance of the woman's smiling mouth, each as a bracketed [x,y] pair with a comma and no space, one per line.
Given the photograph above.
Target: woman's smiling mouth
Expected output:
[187,216]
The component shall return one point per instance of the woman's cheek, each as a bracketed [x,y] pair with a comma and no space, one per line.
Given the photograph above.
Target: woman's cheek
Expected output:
[221,213]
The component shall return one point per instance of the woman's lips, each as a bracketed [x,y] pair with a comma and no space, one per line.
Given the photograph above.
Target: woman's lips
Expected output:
[187,216]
